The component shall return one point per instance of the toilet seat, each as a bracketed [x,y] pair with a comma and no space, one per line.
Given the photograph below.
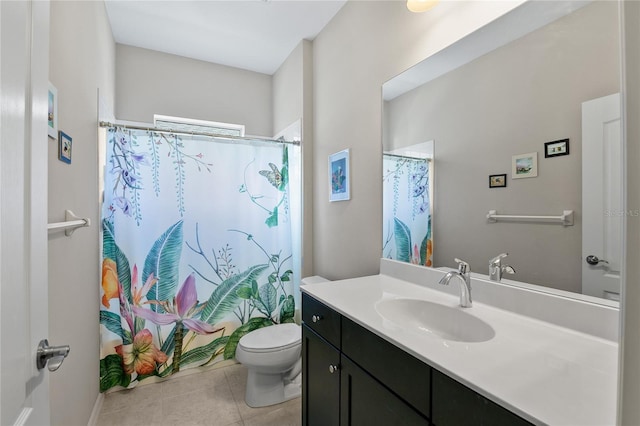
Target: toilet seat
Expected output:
[271,339]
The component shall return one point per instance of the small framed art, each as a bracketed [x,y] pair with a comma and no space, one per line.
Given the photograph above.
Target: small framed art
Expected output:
[64,147]
[498,181]
[52,112]
[524,165]
[556,148]
[339,176]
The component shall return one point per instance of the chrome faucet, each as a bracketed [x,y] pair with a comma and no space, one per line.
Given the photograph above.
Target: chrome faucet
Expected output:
[497,269]
[464,276]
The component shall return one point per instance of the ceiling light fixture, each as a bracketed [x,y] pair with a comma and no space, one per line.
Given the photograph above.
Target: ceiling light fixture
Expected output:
[418,6]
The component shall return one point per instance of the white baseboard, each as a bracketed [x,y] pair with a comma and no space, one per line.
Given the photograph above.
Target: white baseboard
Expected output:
[95,413]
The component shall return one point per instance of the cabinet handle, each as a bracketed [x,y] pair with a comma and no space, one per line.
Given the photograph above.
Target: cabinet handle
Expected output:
[333,368]
[316,318]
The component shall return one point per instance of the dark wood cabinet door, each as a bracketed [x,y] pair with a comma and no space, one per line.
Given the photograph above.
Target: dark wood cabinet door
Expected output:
[320,386]
[366,402]
[456,405]
[403,374]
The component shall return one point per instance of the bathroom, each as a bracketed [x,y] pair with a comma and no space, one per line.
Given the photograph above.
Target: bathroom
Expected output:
[366,44]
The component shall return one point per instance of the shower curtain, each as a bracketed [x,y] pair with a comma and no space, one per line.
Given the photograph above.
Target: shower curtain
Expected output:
[406,205]
[197,250]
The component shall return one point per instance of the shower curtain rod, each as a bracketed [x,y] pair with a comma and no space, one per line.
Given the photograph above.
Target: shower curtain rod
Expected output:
[205,134]
[407,157]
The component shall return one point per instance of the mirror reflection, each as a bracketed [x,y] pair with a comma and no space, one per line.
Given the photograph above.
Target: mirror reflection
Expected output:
[407,195]
[528,127]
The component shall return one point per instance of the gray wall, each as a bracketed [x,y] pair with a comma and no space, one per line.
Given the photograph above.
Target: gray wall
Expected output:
[151,82]
[365,44]
[287,83]
[630,318]
[510,102]
[82,60]
[293,100]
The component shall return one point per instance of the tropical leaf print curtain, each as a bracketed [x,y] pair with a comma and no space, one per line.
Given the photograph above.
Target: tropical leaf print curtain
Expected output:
[197,250]
[406,210]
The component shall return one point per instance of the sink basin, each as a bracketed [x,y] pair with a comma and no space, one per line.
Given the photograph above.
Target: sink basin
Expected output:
[449,323]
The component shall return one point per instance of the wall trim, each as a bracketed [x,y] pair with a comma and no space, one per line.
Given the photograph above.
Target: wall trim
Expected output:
[95,413]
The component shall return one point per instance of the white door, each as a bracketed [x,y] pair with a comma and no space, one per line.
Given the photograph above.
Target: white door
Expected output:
[602,207]
[24,57]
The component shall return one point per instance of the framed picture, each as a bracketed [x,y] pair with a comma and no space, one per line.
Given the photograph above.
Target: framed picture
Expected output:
[64,147]
[52,112]
[339,176]
[524,165]
[498,181]
[556,148]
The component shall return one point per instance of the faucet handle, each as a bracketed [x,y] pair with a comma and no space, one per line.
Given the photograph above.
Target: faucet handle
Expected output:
[463,266]
[498,258]
[508,269]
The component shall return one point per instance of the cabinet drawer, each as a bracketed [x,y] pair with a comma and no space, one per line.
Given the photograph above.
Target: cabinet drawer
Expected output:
[321,319]
[456,404]
[405,375]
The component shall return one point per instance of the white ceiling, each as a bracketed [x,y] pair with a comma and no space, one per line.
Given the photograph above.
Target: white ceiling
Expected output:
[256,35]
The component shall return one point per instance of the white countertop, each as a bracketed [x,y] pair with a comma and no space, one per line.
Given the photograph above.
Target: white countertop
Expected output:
[544,373]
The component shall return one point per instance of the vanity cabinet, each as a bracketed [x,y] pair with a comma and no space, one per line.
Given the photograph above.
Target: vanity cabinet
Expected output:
[351,376]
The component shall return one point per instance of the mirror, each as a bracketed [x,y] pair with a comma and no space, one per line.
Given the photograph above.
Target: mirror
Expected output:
[503,91]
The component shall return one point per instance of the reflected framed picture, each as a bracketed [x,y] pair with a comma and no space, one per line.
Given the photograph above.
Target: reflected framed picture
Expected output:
[339,176]
[524,165]
[556,148]
[498,181]
[64,147]
[52,112]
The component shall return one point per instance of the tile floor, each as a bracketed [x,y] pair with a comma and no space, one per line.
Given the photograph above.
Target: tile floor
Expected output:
[214,398]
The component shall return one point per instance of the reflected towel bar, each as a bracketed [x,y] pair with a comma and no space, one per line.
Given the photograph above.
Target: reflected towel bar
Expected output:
[70,224]
[566,218]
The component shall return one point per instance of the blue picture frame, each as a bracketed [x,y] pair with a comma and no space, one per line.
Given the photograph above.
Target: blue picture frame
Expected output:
[64,147]
[339,176]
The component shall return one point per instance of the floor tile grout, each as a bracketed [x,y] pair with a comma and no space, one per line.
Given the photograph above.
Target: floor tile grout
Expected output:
[230,392]
[125,407]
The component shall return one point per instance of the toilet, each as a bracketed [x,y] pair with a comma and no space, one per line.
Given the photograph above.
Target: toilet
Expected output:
[273,357]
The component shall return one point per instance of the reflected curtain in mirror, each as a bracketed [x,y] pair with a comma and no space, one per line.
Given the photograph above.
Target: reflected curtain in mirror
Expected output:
[197,250]
[407,209]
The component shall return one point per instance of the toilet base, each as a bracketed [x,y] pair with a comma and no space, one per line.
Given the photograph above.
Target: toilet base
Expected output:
[270,389]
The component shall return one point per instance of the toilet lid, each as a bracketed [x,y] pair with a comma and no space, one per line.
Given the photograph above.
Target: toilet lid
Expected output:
[272,338]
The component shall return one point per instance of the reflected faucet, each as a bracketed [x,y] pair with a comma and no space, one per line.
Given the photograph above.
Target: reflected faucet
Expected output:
[496,268]
[464,277]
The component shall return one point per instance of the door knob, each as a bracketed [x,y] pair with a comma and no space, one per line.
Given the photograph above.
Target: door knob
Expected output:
[51,356]
[316,318]
[593,260]
[333,368]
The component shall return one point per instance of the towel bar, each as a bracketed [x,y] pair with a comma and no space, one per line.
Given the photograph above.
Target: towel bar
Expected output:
[566,218]
[70,224]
